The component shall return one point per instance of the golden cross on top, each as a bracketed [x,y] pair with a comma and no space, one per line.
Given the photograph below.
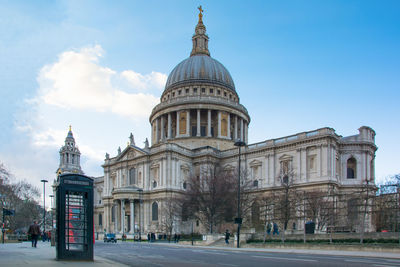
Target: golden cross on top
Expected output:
[200,14]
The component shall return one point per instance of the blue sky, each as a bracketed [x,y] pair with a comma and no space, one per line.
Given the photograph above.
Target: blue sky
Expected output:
[101,65]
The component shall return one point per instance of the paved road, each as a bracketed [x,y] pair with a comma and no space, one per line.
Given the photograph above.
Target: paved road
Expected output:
[145,254]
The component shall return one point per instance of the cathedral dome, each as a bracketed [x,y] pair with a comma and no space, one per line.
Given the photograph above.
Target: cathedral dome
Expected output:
[200,68]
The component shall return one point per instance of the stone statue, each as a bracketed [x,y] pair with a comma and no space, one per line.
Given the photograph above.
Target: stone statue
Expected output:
[119,150]
[107,156]
[146,143]
[200,14]
[132,140]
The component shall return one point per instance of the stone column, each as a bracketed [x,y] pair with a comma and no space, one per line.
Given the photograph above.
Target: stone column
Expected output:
[116,208]
[198,123]
[241,129]
[236,128]
[209,123]
[157,136]
[169,126]
[162,128]
[177,123]
[106,218]
[229,126]
[246,135]
[188,123]
[122,216]
[132,210]
[219,124]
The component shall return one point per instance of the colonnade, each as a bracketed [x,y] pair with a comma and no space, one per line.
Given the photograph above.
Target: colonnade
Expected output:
[199,122]
[119,206]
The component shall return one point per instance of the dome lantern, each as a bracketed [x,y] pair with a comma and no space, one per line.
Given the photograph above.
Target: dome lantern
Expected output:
[200,38]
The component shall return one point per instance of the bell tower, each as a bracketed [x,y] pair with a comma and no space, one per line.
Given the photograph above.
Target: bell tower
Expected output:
[69,156]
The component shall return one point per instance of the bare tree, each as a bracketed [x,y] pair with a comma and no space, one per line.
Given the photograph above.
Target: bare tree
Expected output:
[210,197]
[172,211]
[21,197]
[285,201]
[366,195]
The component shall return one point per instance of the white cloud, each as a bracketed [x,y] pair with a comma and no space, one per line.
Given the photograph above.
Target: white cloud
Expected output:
[102,105]
[78,81]
[145,82]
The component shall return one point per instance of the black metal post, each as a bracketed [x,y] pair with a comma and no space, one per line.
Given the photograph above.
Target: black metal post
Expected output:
[52,221]
[44,203]
[2,226]
[239,219]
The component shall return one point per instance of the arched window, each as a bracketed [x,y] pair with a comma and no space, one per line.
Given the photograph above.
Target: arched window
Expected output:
[154,184]
[184,185]
[154,211]
[132,176]
[255,183]
[351,168]
[100,219]
[285,179]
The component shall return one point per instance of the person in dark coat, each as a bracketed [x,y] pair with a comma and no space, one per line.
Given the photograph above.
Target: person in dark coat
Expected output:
[34,231]
[227,235]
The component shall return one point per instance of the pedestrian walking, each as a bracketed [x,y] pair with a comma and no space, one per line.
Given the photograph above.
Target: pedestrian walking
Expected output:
[34,231]
[148,237]
[275,229]
[227,235]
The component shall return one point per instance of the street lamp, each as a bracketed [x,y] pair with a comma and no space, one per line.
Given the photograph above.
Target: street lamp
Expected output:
[238,220]
[44,203]
[2,199]
[51,210]
[140,217]
[52,222]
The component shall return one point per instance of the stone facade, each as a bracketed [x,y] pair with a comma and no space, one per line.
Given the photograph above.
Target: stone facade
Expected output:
[197,121]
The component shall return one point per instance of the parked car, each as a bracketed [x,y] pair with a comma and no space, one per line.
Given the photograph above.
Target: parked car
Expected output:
[110,238]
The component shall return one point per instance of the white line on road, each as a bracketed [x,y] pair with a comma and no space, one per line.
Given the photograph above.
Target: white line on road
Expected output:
[361,261]
[377,265]
[278,258]
[227,264]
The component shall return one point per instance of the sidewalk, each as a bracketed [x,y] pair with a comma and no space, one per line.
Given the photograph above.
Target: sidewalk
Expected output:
[372,254]
[23,254]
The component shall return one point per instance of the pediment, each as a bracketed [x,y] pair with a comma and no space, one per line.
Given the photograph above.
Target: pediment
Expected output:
[185,167]
[255,163]
[228,167]
[131,152]
[285,157]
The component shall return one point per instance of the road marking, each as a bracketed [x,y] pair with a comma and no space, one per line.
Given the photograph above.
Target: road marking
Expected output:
[362,261]
[208,252]
[227,264]
[278,258]
[377,265]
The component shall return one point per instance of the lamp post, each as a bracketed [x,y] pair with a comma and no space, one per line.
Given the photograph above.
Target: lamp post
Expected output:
[52,222]
[2,199]
[140,212]
[44,203]
[238,220]
[51,210]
